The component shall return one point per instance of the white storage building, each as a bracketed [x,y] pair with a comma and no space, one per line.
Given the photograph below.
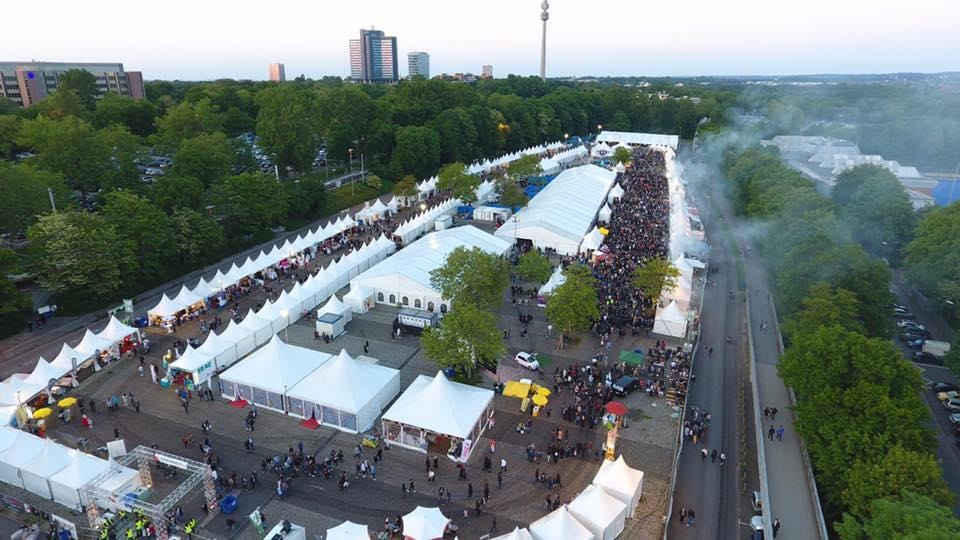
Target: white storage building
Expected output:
[564,211]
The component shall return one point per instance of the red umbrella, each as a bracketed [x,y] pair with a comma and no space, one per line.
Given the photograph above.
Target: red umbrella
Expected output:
[617,408]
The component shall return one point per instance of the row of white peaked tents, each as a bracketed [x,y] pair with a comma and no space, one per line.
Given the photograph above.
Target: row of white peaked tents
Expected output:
[187,297]
[598,513]
[378,209]
[52,471]
[23,387]
[554,163]
[257,328]
[506,159]
[424,222]
[671,319]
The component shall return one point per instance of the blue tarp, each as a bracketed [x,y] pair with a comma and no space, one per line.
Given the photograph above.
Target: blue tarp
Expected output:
[947,192]
[531,191]
[465,209]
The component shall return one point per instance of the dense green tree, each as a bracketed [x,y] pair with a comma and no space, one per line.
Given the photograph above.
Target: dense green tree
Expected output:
[255,202]
[573,306]
[9,133]
[59,105]
[654,277]
[185,121]
[825,306]
[79,253]
[417,152]
[173,191]
[622,155]
[619,122]
[198,237]
[138,115]
[911,517]
[472,276]
[145,230]
[875,206]
[374,182]
[15,306]
[899,471]
[83,83]
[305,194]
[207,157]
[458,135]
[534,267]
[466,339]
[933,257]
[24,195]
[952,358]
[70,147]
[528,165]
[286,126]
[454,178]
[510,193]
[120,169]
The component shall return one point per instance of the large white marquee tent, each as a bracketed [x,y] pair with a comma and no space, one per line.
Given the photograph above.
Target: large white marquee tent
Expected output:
[344,393]
[404,278]
[435,410]
[265,376]
[66,486]
[600,512]
[564,211]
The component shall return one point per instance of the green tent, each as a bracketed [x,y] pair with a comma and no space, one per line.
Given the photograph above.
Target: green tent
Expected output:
[631,358]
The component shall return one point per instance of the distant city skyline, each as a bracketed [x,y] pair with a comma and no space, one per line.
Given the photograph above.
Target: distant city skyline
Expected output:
[202,41]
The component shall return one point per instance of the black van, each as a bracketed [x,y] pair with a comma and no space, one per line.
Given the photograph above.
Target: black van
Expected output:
[625,385]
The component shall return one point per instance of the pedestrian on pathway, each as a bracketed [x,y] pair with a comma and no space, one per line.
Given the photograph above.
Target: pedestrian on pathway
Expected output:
[503,464]
[703,454]
[486,490]
[116,432]
[723,458]
[683,514]
[770,433]
[713,456]
[493,526]
[403,487]
[499,480]
[773,413]
[436,463]
[776,527]
[780,433]
[691,515]
[766,412]
[469,490]
[431,474]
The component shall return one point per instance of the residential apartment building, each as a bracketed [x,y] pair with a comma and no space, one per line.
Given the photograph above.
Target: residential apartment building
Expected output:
[486,72]
[373,58]
[26,83]
[277,73]
[418,63]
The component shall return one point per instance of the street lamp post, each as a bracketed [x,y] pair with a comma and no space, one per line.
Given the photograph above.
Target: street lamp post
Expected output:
[286,316]
[350,150]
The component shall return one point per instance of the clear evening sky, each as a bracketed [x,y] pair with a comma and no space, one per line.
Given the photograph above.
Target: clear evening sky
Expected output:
[208,39]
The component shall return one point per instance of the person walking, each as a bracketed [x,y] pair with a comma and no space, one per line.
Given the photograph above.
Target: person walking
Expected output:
[780,433]
[691,516]
[499,480]
[683,514]
[469,490]
[776,527]
[713,456]
[770,433]
[703,454]
[773,413]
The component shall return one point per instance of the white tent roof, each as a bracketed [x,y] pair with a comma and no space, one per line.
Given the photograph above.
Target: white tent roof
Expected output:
[343,383]
[204,289]
[592,240]
[186,298]
[276,366]
[600,512]
[215,344]
[334,305]
[516,534]
[10,387]
[80,470]
[91,343]
[116,330]
[233,332]
[633,138]
[66,355]
[253,321]
[166,307]
[43,372]
[605,213]
[409,269]
[24,449]
[600,149]
[559,524]
[191,360]
[564,210]
[441,406]
[50,459]
[621,481]
[556,279]
[424,524]
[615,192]
[348,530]
[670,321]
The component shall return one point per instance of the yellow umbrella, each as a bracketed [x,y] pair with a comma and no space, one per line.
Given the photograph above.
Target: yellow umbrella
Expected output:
[43,412]
[67,402]
[539,399]
[543,391]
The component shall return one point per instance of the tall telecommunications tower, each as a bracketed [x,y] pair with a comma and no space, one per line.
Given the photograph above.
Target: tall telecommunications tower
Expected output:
[544,16]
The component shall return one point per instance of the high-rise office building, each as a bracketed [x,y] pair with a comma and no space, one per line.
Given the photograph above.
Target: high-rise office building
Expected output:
[26,83]
[373,58]
[418,63]
[486,71]
[277,74]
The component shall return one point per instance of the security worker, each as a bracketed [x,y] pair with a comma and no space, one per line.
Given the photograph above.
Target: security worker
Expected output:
[188,528]
[130,534]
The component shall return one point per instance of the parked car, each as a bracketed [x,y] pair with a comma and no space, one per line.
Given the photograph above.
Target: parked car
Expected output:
[952,404]
[625,385]
[916,345]
[527,360]
[955,418]
[756,502]
[942,387]
[907,323]
[927,358]
[950,394]
[912,334]
[902,311]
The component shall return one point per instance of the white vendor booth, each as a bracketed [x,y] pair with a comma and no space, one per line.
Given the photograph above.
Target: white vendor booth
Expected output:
[670,321]
[333,317]
[67,484]
[200,366]
[265,376]
[559,524]
[440,416]
[621,481]
[602,513]
[344,394]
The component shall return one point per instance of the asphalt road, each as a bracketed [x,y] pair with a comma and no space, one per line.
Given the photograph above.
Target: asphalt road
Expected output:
[709,489]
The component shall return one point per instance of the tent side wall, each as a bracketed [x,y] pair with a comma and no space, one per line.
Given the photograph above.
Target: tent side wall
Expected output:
[36,484]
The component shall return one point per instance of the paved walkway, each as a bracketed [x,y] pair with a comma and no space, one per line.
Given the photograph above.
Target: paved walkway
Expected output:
[792,498]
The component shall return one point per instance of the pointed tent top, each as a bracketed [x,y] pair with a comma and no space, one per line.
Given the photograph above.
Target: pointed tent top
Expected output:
[116,330]
[348,530]
[516,534]
[66,355]
[334,305]
[191,359]
[91,343]
[204,289]
[186,298]
[43,372]
[165,307]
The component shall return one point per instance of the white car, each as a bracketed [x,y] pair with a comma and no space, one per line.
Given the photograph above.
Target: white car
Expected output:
[955,418]
[952,404]
[527,360]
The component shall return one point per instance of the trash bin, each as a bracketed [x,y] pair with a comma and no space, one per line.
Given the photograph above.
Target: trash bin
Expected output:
[229,504]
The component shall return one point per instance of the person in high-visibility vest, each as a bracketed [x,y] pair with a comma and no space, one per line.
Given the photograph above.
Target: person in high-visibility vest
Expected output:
[188,528]
[104,533]
[130,534]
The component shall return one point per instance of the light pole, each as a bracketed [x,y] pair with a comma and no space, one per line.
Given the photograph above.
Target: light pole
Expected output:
[350,150]
[516,220]
[286,316]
